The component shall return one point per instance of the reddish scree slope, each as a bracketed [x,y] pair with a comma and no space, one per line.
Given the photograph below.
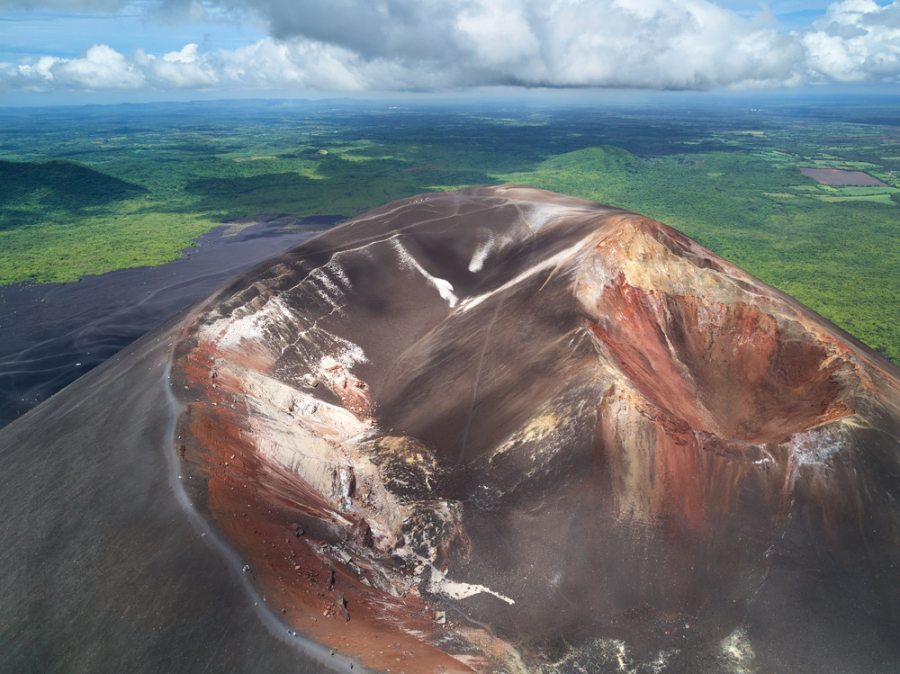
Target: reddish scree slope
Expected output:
[729,368]
[504,430]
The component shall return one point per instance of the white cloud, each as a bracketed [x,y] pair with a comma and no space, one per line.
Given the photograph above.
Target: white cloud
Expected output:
[856,40]
[668,44]
[498,33]
[268,64]
[187,55]
[100,67]
[358,45]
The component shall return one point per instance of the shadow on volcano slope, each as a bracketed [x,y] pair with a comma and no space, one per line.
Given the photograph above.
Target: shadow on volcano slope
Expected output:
[499,430]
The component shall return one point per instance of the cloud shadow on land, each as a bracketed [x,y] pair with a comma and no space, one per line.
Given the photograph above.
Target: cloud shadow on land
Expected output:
[58,184]
[338,191]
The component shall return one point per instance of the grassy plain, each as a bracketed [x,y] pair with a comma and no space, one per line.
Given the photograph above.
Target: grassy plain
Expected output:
[725,174]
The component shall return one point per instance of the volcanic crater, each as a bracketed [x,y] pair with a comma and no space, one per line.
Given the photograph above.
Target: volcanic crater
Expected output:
[401,403]
[497,430]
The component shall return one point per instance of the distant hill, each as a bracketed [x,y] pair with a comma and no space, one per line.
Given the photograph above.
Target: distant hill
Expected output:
[600,158]
[59,185]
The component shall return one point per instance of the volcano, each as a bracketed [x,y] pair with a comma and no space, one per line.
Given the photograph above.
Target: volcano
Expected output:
[493,430]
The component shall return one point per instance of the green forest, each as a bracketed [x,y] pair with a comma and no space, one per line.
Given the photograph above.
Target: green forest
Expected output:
[88,191]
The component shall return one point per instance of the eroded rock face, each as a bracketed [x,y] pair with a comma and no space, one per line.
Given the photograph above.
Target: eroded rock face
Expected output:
[717,353]
[503,430]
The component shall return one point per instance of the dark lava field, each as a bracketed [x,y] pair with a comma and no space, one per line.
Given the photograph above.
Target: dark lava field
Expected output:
[54,333]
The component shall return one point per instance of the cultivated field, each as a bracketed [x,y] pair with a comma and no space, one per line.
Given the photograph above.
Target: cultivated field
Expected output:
[828,176]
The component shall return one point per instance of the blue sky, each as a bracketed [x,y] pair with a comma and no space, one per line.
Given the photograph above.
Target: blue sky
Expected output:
[58,51]
[66,34]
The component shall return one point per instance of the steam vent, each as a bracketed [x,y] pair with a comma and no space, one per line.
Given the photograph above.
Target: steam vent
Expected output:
[495,430]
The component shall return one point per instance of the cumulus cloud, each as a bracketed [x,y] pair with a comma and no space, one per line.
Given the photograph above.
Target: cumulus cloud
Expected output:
[668,44]
[267,64]
[100,67]
[856,41]
[358,45]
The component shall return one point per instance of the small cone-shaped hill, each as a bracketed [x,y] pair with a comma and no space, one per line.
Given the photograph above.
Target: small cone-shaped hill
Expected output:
[496,430]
